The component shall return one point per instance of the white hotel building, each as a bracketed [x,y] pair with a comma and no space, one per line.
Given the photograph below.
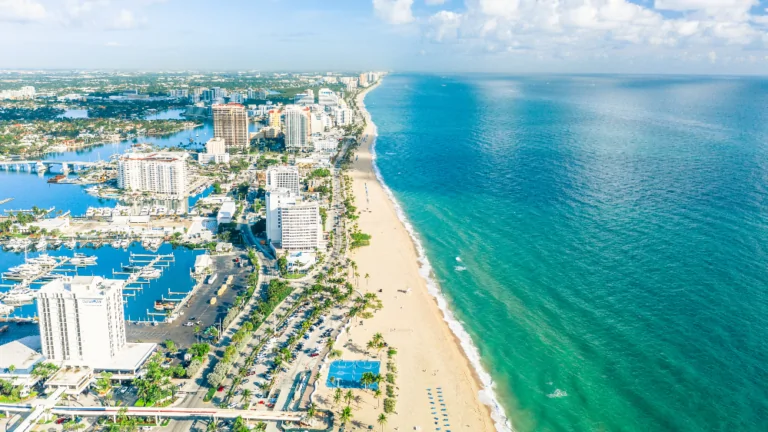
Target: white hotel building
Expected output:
[292,225]
[284,176]
[161,173]
[82,324]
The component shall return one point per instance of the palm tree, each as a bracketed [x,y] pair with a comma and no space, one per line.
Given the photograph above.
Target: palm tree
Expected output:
[377,394]
[382,420]
[349,397]
[337,395]
[212,426]
[311,412]
[260,427]
[346,415]
[367,276]
[246,398]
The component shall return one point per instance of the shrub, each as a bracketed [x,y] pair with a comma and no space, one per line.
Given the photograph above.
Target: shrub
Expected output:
[389,405]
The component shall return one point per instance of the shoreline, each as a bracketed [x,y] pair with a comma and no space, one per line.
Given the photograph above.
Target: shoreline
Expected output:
[459,338]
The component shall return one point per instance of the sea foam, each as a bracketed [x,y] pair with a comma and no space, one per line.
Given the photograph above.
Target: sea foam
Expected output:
[487,395]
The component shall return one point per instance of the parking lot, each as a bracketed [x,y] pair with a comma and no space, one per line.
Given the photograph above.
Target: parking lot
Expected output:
[199,308]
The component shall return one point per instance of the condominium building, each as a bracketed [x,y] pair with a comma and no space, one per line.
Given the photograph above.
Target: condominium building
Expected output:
[230,121]
[297,129]
[363,80]
[161,173]
[81,320]
[343,116]
[284,176]
[274,118]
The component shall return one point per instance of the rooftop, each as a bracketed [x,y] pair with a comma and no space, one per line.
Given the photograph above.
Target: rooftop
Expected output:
[81,286]
[22,353]
[130,358]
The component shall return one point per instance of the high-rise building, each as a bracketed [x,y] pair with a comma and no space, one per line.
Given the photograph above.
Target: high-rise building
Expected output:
[236,97]
[26,92]
[327,97]
[297,129]
[284,176]
[363,80]
[291,225]
[81,320]
[274,118]
[275,199]
[230,122]
[343,116]
[161,173]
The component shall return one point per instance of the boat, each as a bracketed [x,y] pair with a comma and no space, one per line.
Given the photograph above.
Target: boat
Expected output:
[144,211]
[161,305]
[82,260]
[41,244]
[43,260]
[19,296]
[71,244]
[125,243]
[132,268]
[57,178]
[5,309]
[116,244]
[150,273]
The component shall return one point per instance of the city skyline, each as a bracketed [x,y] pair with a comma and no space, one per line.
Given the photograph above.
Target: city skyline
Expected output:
[521,36]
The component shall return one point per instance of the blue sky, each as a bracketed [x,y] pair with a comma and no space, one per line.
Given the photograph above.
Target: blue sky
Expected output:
[519,36]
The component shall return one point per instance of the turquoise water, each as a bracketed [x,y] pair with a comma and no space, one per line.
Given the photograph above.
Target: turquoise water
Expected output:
[602,239]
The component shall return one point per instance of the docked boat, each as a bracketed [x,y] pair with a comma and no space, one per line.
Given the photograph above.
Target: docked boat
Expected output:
[90,212]
[82,260]
[43,260]
[41,244]
[125,243]
[144,211]
[57,178]
[150,273]
[71,244]
[19,296]
[116,244]
[5,309]
[161,305]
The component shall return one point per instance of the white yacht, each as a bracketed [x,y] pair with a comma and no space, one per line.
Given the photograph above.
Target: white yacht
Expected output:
[71,244]
[82,260]
[19,296]
[150,273]
[5,309]
[116,244]
[41,244]
[125,243]
[43,260]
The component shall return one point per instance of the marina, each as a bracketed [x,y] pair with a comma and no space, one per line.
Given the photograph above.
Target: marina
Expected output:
[152,276]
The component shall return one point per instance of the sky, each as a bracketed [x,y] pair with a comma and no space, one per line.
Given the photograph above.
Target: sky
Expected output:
[503,36]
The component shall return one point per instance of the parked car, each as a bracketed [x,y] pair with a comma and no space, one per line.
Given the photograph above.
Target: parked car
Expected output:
[220,389]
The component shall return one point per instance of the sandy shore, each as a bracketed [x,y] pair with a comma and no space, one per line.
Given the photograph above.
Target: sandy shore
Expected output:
[429,356]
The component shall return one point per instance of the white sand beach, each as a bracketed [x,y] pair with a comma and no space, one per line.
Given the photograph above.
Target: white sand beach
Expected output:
[435,380]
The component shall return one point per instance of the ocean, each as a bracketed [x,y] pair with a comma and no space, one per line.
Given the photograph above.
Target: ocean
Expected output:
[601,239]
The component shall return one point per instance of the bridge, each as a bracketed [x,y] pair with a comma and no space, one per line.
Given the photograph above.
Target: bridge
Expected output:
[43,166]
[37,411]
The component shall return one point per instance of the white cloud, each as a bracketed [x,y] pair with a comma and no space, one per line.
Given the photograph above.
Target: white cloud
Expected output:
[601,27]
[112,44]
[125,20]
[445,25]
[21,11]
[434,2]
[394,11]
